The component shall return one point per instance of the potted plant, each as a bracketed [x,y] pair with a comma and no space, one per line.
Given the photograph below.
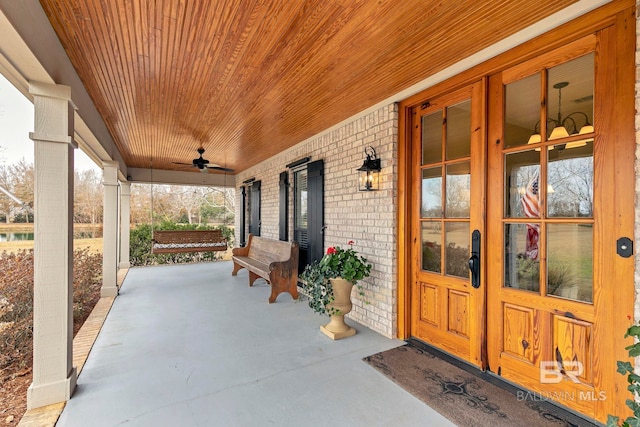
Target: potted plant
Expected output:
[328,284]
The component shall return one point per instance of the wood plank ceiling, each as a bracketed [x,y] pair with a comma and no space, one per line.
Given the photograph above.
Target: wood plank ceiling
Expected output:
[246,79]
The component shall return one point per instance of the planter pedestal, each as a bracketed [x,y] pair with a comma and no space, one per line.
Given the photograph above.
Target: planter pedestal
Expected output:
[336,329]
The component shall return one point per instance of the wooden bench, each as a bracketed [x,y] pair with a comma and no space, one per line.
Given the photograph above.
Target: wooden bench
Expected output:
[174,241]
[273,260]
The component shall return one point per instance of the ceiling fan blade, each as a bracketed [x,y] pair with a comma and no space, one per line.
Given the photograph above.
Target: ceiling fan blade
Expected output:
[186,164]
[220,168]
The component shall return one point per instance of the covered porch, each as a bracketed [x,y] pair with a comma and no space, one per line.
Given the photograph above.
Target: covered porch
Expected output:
[178,348]
[287,99]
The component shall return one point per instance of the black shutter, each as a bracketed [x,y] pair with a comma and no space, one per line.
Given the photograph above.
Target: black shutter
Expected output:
[315,206]
[254,207]
[243,212]
[284,206]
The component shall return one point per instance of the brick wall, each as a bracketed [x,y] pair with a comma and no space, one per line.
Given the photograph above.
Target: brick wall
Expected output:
[368,218]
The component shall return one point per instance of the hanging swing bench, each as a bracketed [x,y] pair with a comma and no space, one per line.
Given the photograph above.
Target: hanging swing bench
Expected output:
[177,241]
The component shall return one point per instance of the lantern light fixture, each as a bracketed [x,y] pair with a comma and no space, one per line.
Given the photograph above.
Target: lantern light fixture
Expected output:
[369,172]
[564,126]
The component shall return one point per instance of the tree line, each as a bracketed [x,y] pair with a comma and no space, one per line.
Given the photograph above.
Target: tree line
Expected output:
[149,203]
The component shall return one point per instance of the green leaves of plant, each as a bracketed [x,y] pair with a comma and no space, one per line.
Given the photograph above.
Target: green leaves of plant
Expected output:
[626,368]
[338,262]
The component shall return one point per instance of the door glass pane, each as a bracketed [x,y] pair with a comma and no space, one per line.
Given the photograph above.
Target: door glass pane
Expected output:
[431,246]
[570,180]
[457,249]
[458,190]
[432,138]
[570,95]
[521,260]
[522,111]
[431,193]
[522,178]
[570,265]
[459,130]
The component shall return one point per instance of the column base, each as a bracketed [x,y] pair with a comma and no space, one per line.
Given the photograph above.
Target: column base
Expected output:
[111,291]
[124,264]
[56,392]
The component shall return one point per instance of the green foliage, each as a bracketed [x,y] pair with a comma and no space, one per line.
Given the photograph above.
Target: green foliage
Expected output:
[625,368]
[22,218]
[140,245]
[337,262]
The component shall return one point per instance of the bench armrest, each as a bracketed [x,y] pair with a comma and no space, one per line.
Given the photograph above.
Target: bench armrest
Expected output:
[286,268]
[242,251]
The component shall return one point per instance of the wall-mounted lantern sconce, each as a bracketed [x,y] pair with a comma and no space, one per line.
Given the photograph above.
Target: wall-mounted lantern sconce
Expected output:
[369,172]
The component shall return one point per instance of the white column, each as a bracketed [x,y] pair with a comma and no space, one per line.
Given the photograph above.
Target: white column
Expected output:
[110,230]
[54,377]
[125,219]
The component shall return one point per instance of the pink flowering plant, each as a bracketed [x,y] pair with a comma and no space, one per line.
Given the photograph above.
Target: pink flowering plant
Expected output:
[336,263]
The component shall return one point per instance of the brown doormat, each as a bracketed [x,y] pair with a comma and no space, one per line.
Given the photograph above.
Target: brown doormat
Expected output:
[462,397]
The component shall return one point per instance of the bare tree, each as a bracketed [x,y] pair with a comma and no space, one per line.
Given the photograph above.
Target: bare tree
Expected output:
[88,197]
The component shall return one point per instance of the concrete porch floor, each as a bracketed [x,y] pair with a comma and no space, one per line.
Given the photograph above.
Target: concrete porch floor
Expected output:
[191,345]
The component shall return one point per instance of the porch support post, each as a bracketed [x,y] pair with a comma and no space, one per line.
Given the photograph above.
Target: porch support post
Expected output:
[125,219]
[110,229]
[54,377]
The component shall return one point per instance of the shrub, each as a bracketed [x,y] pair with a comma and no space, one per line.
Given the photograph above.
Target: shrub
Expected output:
[16,300]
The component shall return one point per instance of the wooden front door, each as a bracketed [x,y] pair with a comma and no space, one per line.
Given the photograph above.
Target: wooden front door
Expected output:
[550,192]
[551,226]
[448,200]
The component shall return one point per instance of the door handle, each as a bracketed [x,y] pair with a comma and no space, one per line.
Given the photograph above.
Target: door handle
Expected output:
[474,261]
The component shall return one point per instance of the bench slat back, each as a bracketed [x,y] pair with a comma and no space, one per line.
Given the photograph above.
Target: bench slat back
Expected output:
[268,250]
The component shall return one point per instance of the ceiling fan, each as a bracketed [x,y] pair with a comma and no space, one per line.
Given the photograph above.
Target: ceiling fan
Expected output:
[203,164]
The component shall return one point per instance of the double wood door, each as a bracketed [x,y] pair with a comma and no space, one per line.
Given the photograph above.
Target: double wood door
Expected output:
[514,234]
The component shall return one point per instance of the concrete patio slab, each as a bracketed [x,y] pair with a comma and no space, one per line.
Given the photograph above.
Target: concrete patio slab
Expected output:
[190,345]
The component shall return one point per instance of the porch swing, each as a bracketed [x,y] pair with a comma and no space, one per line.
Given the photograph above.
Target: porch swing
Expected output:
[181,241]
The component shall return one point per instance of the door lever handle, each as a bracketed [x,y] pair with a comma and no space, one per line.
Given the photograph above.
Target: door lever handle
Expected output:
[474,261]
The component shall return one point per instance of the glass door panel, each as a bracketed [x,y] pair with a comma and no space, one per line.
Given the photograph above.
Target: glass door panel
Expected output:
[431,193]
[570,95]
[431,247]
[458,122]
[521,270]
[522,112]
[570,266]
[458,190]
[432,138]
[570,181]
[457,249]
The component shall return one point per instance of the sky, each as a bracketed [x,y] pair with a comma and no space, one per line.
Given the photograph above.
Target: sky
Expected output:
[16,121]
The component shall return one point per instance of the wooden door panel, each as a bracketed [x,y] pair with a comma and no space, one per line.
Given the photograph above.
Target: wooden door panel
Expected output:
[458,308]
[572,341]
[429,304]
[518,338]
[447,311]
